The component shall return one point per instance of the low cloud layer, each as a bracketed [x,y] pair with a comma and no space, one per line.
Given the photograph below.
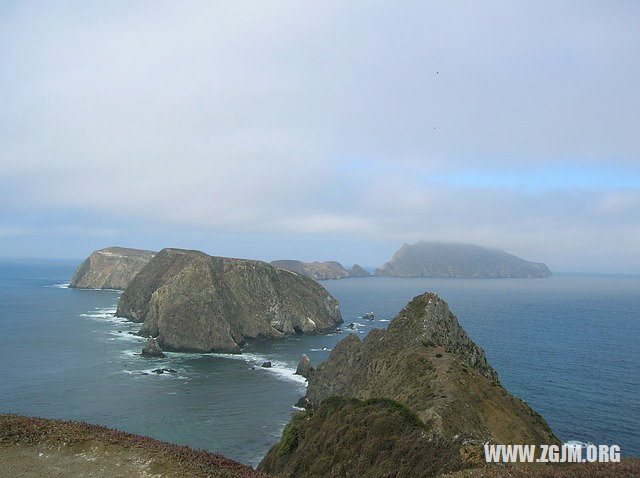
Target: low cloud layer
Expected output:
[356,126]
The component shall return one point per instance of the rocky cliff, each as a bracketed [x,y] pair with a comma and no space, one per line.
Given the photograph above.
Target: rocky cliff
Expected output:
[321,270]
[110,268]
[191,301]
[423,368]
[435,259]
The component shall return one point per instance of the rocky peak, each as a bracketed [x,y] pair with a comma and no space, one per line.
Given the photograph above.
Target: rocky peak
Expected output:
[428,320]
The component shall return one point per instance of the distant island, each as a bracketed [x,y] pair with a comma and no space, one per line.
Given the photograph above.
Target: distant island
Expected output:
[110,268]
[321,270]
[439,259]
[190,301]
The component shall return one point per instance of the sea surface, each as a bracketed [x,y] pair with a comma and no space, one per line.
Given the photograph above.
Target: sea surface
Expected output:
[568,345]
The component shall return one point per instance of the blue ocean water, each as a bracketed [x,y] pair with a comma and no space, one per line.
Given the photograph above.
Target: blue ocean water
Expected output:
[568,345]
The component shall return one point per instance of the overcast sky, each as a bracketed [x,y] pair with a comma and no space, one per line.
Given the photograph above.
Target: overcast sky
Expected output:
[322,130]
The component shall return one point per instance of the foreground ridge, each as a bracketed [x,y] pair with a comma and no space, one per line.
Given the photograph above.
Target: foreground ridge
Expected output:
[32,446]
[420,394]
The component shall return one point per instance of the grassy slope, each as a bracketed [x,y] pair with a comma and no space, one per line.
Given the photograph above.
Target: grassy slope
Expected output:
[41,447]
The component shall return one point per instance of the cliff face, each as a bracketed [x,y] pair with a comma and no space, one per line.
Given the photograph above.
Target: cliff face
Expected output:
[427,364]
[110,268]
[434,259]
[191,301]
[321,270]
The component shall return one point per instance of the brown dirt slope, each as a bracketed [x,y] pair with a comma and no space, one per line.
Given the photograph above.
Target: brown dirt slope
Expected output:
[38,447]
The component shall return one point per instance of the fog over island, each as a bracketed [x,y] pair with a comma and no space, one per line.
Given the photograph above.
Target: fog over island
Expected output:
[322,132]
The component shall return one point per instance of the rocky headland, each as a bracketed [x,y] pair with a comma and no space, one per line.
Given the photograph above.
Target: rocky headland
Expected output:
[418,399]
[110,268]
[438,259]
[329,270]
[190,301]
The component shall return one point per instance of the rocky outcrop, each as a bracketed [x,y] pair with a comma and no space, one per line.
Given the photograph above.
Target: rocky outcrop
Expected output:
[329,270]
[424,368]
[110,268]
[152,349]
[436,259]
[304,366]
[190,301]
[357,271]
[314,270]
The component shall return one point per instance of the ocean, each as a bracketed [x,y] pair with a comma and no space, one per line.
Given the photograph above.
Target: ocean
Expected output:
[568,345]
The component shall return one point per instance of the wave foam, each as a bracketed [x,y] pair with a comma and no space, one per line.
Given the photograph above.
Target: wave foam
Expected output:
[577,443]
[278,367]
[64,285]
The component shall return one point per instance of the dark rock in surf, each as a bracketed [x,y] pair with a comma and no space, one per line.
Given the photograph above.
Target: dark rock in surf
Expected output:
[152,349]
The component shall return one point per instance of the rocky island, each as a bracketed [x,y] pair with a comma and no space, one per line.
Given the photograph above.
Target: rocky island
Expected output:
[421,390]
[110,268]
[190,301]
[438,259]
[321,270]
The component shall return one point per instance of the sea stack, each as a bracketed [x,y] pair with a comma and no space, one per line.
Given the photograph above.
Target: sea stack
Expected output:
[439,259]
[190,301]
[110,268]
[304,366]
[152,349]
[421,390]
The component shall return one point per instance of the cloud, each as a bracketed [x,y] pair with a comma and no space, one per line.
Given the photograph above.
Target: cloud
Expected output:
[496,122]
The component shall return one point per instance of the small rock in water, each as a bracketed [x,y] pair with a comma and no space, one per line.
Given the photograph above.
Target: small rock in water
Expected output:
[152,349]
[267,364]
[351,326]
[160,371]
[368,316]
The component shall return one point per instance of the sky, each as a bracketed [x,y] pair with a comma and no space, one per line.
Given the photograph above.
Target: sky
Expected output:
[322,130]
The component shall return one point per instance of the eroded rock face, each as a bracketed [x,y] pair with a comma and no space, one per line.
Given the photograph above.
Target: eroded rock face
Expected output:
[191,301]
[110,268]
[436,259]
[304,366]
[429,367]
